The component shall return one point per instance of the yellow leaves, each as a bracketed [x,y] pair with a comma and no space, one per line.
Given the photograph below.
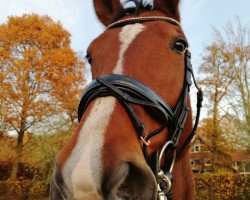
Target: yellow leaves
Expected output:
[30,28]
[221,186]
[7,145]
[41,76]
[20,189]
[37,65]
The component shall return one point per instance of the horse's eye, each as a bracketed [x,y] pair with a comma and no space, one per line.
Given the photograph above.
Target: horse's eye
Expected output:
[180,46]
[88,58]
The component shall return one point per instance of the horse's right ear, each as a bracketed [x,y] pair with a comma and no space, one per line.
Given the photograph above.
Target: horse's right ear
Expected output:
[106,10]
[171,7]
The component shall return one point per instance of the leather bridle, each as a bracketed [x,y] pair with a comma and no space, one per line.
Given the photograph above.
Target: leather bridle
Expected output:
[129,92]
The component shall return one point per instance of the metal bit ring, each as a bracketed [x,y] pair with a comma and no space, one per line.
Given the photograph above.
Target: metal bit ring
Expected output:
[161,154]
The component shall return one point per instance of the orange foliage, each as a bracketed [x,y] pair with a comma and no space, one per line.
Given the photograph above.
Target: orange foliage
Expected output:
[221,186]
[7,145]
[40,74]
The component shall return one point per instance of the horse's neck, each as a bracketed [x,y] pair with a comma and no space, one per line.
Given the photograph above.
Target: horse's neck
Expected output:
[183,181]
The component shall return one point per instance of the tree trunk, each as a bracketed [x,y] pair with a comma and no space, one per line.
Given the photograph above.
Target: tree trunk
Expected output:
[214,137]
[15,164]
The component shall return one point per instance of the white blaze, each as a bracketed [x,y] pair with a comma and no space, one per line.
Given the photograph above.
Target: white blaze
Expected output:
[82,172]
[127,36]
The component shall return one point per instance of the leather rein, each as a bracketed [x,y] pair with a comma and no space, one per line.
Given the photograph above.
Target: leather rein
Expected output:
[129,92]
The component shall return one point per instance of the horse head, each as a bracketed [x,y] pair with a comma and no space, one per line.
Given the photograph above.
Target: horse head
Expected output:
[135,117]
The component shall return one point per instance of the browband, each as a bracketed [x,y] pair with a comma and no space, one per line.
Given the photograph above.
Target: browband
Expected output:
[133,20]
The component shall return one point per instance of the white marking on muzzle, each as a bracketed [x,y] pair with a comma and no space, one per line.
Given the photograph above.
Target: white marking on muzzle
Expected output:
[83,170]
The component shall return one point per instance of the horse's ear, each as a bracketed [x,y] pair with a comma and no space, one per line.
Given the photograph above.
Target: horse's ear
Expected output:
[106,10]
[171,7]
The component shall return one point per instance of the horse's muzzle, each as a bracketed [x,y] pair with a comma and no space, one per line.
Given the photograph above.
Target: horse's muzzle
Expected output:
[130,181]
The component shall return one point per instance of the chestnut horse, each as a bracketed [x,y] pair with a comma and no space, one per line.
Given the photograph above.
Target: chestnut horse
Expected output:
[135,118]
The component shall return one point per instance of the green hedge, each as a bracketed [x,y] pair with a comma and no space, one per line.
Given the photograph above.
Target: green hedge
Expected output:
[25,189]
[221,186]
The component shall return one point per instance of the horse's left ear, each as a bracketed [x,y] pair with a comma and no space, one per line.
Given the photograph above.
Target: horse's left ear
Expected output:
[106,10]
[171,7]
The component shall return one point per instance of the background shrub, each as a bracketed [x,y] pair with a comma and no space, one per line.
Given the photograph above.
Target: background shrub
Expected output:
[23,190]
[221,186]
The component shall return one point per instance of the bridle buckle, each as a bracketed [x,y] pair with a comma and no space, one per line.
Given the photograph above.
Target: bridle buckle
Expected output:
[147,143]
[164,182]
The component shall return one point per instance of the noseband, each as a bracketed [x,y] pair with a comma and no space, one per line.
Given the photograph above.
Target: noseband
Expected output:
[129,92]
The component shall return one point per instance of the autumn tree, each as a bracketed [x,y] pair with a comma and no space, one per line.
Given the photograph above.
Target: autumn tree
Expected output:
[217,82]
[40,75]
[237,37]
[226,69]
[228,141]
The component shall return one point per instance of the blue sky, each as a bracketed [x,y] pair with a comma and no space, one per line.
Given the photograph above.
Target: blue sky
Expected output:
[77,16]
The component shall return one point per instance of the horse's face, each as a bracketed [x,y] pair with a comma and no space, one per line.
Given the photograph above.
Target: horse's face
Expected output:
[151,52]
[105,159]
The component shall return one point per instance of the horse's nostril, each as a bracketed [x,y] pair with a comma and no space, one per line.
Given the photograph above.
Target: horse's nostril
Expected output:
[132,182]
[117,177]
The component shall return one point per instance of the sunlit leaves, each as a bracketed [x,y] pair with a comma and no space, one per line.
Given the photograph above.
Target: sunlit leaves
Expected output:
[226,70]
[38,68]
[221,186]
[41,76]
